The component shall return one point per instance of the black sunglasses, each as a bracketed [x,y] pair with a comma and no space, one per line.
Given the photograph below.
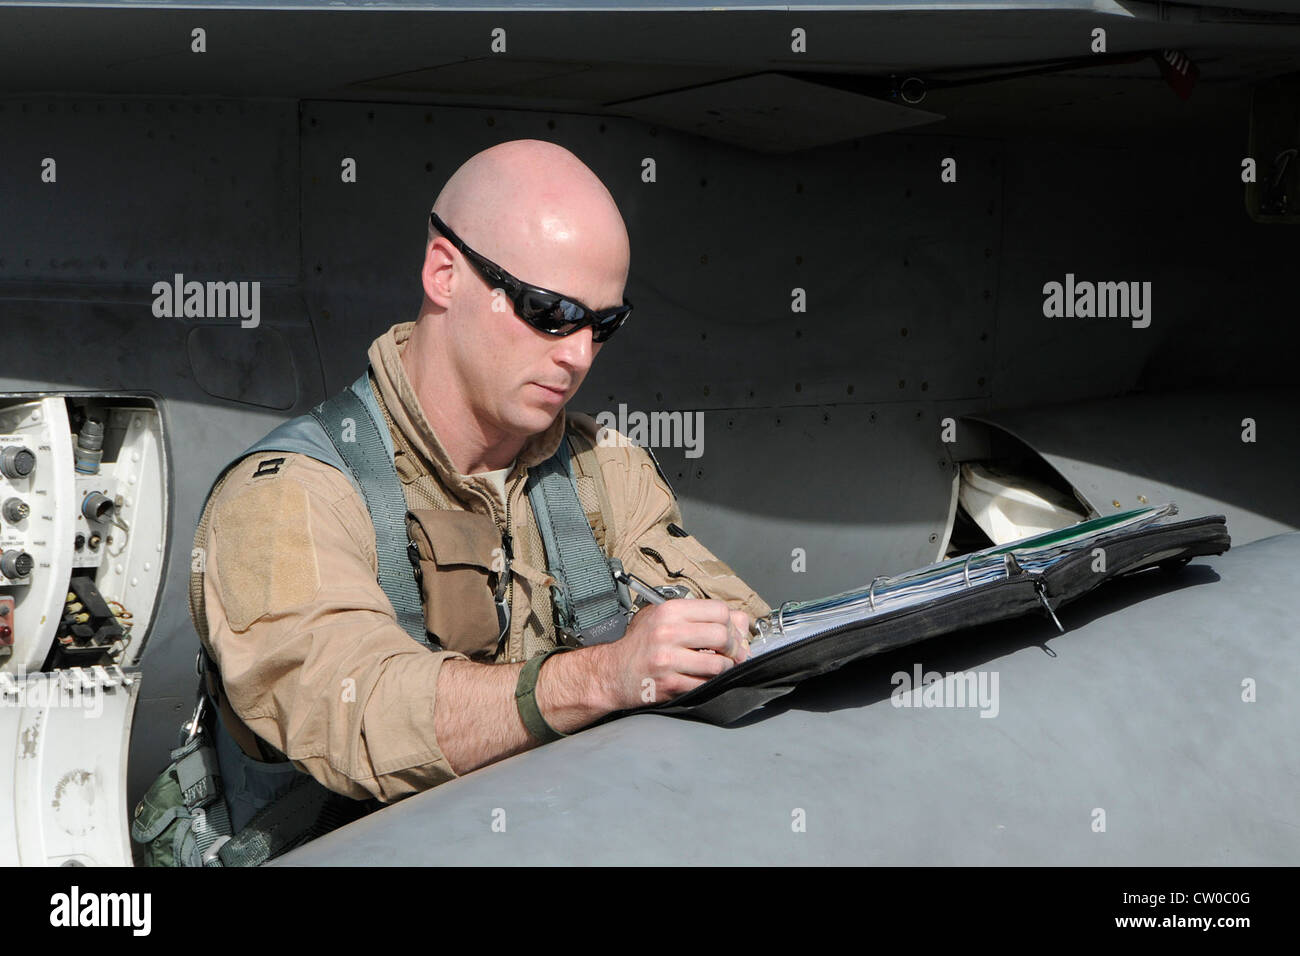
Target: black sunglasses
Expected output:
[544,310]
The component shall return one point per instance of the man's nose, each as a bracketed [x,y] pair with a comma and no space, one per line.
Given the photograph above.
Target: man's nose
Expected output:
[576,351]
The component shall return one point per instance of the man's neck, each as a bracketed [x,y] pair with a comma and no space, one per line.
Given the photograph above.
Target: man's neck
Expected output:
[470,446]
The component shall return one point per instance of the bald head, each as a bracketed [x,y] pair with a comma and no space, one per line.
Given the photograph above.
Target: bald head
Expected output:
[486,379]
[541,214]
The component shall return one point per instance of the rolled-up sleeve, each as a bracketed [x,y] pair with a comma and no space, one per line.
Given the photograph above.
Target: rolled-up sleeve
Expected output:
[310,652]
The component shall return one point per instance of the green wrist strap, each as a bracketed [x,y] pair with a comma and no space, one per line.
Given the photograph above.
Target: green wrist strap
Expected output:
[526,697]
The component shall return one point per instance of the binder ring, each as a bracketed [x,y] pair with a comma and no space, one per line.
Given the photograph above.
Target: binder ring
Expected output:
[780,616]
[871,592]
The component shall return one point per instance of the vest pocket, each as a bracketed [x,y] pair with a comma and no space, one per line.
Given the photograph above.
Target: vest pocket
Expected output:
[460,563]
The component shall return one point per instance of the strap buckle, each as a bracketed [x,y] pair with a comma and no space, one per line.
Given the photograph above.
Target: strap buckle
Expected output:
[212,855]
[195,725]
[503,618]
[198,774]
[607,631]
[413,555]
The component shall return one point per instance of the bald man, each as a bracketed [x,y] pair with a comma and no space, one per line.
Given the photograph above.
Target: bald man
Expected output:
[318,675]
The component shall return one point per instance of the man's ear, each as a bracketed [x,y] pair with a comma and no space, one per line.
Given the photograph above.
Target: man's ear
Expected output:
[436,273]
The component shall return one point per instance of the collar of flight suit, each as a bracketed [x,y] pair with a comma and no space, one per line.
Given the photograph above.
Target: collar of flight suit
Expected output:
[399,397]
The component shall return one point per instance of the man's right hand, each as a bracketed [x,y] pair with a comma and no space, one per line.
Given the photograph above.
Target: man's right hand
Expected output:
[668,649]
[671,648]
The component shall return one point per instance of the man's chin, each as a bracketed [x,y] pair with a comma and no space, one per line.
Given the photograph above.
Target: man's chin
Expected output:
[531,421]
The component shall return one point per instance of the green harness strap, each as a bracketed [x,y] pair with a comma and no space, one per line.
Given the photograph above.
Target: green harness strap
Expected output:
[367,450]
[586,596]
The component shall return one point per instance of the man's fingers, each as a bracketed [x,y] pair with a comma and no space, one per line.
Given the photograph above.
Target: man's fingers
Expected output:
[691,682]
[711,611]
[703,664]
[728,636]
[743,622]
[713,637]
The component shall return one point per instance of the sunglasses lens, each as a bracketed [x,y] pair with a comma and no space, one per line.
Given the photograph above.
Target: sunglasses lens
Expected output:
[607,326]
[551,314]
[556,315]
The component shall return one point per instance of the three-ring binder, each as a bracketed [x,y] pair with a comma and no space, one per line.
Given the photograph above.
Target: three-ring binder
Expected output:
[802,639]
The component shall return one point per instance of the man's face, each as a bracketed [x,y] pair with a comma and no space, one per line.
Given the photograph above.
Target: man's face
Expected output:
[534,374]
[517,377]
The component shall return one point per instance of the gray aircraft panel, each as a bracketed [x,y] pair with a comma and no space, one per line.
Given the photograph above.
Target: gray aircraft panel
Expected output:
[1133,720]
[222,194]
[585,59]
[768,493]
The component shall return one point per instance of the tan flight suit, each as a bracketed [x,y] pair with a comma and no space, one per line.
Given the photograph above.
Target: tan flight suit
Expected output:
[313,660]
